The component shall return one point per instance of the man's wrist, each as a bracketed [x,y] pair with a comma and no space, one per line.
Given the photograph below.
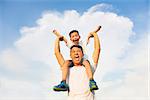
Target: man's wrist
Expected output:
[94,33]
[61,38]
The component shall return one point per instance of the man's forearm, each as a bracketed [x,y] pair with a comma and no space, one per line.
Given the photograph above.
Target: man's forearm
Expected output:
[96,41]
[58,54]
[97,48]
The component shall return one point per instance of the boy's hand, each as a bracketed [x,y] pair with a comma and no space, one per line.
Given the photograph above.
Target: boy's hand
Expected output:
[98,28]
[59,36]
[88,38]
[56,33]
[91,34]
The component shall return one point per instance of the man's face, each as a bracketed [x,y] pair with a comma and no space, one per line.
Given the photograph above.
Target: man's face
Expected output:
[75,37]
[76,55]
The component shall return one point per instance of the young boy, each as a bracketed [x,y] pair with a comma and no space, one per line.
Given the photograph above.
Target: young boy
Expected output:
[75,40]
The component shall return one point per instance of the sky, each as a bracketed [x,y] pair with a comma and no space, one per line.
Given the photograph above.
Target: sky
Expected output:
[29,69]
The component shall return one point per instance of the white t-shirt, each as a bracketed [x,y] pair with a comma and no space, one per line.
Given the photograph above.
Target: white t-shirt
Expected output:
[79,84]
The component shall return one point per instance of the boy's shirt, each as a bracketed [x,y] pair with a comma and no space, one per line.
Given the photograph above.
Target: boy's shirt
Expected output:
[82,44]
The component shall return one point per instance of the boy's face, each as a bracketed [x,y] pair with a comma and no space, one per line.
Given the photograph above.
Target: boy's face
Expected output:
[76,55]
[75,37]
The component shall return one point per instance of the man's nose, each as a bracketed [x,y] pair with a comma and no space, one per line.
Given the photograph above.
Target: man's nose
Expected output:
[76,53]
[75,37]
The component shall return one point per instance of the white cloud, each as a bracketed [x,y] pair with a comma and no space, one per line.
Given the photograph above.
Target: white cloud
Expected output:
[36,45]
[12,60]
[134,83]
[100,7]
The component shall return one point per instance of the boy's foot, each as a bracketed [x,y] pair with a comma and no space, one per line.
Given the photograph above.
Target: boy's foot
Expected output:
[61,87]
[93,85]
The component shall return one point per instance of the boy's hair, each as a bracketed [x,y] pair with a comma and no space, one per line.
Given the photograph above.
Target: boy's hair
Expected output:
[78,46]
[72,32]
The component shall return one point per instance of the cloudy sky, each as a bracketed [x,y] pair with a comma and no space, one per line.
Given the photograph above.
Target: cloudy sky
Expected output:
[29,69]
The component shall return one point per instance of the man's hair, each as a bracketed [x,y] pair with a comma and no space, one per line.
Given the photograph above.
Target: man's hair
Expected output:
[78,46]
[73,32]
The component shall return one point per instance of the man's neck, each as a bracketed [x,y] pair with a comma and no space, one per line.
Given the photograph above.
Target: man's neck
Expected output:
[77,64]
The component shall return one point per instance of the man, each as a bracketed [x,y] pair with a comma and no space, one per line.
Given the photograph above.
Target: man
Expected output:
[75,40]
[78,79]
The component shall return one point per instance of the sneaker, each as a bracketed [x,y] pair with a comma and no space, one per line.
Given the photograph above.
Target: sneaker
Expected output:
[93,85]
[61,87]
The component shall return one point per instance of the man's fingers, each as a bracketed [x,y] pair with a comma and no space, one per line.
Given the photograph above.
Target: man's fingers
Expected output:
[61,38]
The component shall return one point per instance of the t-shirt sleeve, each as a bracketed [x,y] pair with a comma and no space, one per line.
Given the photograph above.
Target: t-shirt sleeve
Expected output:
[69,44]
[83,44]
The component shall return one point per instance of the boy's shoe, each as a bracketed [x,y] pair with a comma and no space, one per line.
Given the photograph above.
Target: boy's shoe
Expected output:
[61,87]
[93,85]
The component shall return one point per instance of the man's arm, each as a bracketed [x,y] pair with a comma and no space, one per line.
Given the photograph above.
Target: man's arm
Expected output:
[58,54]
[97,48]
[59,35]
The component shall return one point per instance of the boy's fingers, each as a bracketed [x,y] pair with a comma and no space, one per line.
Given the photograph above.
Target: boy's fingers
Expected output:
[99,27]
[54,31]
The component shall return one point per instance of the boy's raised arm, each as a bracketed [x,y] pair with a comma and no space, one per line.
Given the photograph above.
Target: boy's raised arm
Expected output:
[90,34]
[59,35]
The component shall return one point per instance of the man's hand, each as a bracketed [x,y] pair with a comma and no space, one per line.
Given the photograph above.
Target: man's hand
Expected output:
[61,38]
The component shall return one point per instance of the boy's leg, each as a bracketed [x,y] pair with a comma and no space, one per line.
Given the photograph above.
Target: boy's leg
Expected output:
[63,86]
[93,85]
[87,65]
[65,69]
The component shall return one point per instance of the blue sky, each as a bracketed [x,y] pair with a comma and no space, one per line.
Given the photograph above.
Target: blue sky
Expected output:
[26,46]
[17,13]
